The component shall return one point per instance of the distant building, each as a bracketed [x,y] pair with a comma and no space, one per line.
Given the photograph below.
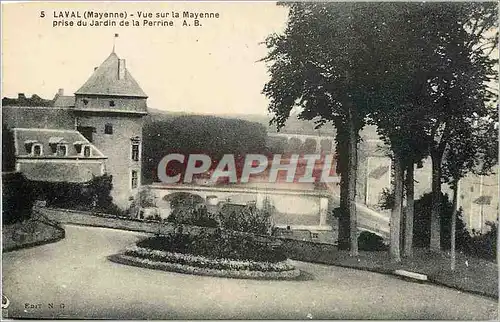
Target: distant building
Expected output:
[73,138]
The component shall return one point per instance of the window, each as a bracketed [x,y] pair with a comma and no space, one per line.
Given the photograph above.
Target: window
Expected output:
[135,151]
[111,103]
[86,151]
[87,132]
[53,148]
[108,128]
[134,179]
[85,102]
[36,150]
[62,150]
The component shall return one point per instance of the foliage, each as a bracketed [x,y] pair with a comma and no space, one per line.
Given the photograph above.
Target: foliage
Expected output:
[17,198]
[190,209]
[146,198]
[249,219]
[196,216]
[428,81]
[94,195]
[421,233]
[454,88]
[210,135]
[485,245]
[217,244]
[185,199]
[370,242]
[323,67]
[386,199]
[8,150]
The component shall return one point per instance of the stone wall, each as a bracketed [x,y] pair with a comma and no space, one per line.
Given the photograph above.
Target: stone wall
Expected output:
[118,148]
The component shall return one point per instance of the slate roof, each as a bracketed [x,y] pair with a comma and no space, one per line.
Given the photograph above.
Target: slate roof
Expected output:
[74,167]
[104,81]
[64,101]
[23,137]
[61,172]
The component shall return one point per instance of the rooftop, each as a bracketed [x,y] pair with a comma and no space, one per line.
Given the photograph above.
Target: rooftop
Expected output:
[48,139]
[112,78]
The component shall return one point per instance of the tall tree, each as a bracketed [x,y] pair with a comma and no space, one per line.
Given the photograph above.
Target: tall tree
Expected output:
[473,148]
[457,44]
[8,150]
[322,65]
[398,116]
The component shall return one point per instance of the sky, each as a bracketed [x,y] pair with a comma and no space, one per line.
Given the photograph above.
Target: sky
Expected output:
[212,69]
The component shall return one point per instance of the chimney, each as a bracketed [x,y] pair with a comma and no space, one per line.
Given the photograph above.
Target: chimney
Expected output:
[21,96]
[60,92]
[121,69]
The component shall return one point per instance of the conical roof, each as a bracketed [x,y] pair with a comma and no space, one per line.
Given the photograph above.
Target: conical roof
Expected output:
[106,81]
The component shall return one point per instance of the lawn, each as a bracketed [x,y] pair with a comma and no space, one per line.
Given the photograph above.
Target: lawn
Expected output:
[471,274]
[31,232]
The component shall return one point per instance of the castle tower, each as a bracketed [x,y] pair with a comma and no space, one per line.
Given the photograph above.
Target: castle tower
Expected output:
[109,109]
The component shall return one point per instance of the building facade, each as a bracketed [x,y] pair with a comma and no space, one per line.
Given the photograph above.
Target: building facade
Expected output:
[101,122]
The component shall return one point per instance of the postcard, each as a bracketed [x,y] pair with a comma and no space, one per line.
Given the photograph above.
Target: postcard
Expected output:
[250,160]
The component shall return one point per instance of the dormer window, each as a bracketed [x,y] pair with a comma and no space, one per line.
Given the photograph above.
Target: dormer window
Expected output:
[83,148]
[37,149]
[86,151]
[28,145]
[111,103]
[62,150]
[58,146]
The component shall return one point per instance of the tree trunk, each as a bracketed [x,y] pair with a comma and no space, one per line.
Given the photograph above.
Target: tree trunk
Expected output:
[342,166]
[396,210]
[435,238]
[410,203]
[352,174]
[454,224]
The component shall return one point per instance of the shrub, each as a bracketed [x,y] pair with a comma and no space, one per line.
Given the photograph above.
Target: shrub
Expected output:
[421,229]
[217,244]
[146,198]
[17,198]
[485,245]
[386,199]
[94,195]
[370,242]
[193,215]
[249,218]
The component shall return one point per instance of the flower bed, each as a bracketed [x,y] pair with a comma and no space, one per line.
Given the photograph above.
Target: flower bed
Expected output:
[198,265]
[214,254]
[217,244]
[204,262]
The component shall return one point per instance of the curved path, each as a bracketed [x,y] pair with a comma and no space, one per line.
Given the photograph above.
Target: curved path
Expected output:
[76,273]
